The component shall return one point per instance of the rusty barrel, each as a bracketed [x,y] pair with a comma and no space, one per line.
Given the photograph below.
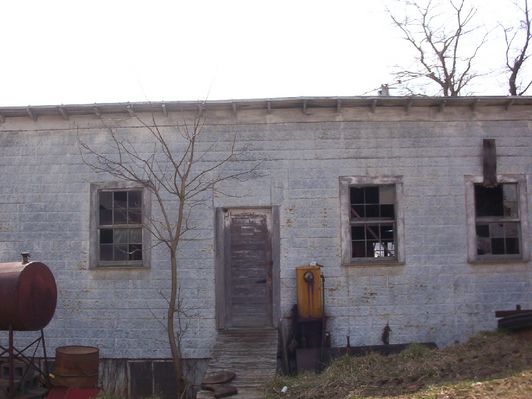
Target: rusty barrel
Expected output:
[76,366]
[28,296]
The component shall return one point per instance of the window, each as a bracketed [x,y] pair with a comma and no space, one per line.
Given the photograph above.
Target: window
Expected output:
[369,219]
[118,237]
[496,217]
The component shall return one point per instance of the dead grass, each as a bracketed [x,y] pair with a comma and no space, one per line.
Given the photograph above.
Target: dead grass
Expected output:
[489,365]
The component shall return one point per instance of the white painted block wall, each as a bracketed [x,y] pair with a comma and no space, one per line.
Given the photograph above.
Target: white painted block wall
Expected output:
[435,296]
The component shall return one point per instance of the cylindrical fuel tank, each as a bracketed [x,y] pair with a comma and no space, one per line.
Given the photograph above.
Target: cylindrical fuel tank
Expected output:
[28,296]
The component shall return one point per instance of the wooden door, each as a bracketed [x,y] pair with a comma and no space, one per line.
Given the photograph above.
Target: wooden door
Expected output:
[248,268]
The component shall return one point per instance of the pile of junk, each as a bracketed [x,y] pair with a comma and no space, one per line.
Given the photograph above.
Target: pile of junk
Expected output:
[28,298]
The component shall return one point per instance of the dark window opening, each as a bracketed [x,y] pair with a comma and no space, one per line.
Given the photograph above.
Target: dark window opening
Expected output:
[497,220]
[373,227]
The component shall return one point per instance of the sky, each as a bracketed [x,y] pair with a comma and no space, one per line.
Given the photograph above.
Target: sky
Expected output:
[73,51]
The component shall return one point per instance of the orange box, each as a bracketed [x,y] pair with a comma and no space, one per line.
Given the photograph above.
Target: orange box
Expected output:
[309,295]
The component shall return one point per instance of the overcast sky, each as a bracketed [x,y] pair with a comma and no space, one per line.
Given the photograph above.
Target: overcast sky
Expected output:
[65,52]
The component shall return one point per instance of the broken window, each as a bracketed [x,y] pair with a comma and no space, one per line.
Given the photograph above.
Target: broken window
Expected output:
[119,237]
[373,221]
[497,222]
[120,225]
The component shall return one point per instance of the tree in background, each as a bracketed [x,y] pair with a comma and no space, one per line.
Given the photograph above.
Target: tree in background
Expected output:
[442,35]
[517,41]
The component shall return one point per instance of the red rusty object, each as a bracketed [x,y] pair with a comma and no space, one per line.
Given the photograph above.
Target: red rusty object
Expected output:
[28,296]
[73,393]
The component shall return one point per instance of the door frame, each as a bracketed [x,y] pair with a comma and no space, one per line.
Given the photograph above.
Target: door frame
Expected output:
[220,266]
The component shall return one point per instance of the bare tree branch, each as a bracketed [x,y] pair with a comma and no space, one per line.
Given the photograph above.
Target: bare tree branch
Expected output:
[438,40]
[517,54]
[175,172]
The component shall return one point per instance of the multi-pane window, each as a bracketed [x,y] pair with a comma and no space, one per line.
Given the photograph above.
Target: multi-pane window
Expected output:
[497,220]
[372,219]
[119,227]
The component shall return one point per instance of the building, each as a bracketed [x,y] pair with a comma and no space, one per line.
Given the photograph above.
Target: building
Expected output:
[385,193]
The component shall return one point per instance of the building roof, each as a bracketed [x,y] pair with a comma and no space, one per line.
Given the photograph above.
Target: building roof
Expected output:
[304,103]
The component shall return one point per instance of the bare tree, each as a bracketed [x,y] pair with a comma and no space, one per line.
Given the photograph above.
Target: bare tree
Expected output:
[174,170]
[439,31]
[517,43]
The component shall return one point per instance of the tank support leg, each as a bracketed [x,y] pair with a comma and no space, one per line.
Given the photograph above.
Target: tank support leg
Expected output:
[11,364]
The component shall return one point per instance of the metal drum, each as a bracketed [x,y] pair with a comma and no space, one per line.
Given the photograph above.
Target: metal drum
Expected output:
[28,296]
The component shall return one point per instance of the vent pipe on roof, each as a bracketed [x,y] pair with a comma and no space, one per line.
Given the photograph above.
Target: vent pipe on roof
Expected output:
[384,90]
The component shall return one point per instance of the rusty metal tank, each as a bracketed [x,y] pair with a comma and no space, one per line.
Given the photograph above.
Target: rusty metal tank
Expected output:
[28,296]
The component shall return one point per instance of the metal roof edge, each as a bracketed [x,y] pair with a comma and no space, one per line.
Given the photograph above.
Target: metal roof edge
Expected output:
[66,110]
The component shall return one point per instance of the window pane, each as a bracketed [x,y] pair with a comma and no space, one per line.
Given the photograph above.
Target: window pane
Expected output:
[483,230]
[121,252]
[358,211]
[510,209]
[120,236]
[390,248]
[496,230]
[134,216]
[372,250]
[120,216]
[372,232]
[488,200]
[512,246]
[497,246]
[106,236]
[372,211]
[357,195]
[135,252]
[106,252]
[372,195]
[120,199]
[357,233]
[106,199]
[483,246]
[106,216]
[134,199]
[511,230]
[359,249]
[387,232]
[135,236]
[387,211]
[387,195]
[509,192]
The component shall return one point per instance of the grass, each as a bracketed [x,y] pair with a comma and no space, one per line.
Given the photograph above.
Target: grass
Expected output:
[489,365]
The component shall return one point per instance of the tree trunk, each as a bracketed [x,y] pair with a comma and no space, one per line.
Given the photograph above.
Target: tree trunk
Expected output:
[175,347]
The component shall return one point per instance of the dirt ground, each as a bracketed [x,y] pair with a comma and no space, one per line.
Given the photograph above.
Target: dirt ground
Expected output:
[489,365]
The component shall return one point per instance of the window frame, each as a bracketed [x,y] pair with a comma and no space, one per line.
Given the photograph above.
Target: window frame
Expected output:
[472,255]
[346,182]
[94,242]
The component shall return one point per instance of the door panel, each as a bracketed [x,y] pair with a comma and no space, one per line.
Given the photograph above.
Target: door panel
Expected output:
[248,268]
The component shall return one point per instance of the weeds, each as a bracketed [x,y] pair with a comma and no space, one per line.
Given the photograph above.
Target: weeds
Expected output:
[421,373]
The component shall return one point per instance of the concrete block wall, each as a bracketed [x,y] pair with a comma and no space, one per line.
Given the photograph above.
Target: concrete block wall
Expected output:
[436,295]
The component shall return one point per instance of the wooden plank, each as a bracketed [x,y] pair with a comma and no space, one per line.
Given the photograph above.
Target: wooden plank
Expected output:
[251,354]
[505,313]
[489,162]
